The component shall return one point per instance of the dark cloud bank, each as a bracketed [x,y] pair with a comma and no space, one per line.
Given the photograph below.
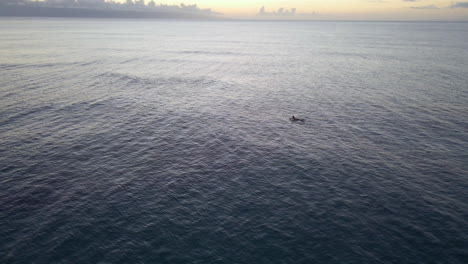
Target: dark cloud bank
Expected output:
[460,5]
[102,9]
[425,7]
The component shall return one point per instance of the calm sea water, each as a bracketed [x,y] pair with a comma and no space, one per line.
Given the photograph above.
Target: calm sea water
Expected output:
[169,142]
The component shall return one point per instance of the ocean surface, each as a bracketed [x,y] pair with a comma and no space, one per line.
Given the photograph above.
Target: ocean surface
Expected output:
[146,141]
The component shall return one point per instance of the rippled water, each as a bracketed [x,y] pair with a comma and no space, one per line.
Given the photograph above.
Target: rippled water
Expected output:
[169,142]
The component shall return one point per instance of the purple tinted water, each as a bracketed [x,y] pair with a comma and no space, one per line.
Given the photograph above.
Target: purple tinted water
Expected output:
[170,142]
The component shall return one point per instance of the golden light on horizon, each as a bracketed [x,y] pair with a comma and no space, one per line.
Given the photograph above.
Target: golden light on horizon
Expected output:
[335,9]
[354,9]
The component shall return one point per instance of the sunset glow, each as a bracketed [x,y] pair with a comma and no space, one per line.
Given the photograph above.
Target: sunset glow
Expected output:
[339,9]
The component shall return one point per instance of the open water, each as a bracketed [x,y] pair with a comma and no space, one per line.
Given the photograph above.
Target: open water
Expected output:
[128,141]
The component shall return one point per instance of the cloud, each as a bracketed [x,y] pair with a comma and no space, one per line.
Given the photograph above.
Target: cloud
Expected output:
[280,12]
[102,8]
[411,0]
[284,13]
[424,7]
[377,1]
[460,5]
[11,2]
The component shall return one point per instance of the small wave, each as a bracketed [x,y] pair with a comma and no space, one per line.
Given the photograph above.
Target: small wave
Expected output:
[28,112]
[35,198]
[129,79]
[130,60]
[87,63]
[11,94]
[11,66]
[210,53]
[348,54]
[82,106]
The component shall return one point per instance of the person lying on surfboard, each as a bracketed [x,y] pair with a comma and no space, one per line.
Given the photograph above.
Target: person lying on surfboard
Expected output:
[293,118]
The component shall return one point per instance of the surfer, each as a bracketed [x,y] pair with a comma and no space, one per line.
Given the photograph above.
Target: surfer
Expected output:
[293,118]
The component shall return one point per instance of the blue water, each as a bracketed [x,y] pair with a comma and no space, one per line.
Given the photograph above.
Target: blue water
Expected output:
[169,142]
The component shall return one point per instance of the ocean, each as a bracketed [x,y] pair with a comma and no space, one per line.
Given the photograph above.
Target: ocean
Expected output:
[166,141]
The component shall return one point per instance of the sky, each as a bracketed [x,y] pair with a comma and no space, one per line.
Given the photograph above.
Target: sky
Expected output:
[383,10]
[337,9]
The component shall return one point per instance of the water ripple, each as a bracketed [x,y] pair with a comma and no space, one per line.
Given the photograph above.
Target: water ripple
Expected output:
[152,149]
